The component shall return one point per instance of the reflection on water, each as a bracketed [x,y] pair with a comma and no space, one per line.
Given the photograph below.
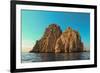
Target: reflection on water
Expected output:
[42,57]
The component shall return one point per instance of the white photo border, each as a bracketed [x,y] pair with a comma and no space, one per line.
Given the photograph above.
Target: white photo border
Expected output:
[51,64]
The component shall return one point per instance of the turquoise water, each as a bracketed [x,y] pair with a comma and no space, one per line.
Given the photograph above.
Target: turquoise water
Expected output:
[44,57]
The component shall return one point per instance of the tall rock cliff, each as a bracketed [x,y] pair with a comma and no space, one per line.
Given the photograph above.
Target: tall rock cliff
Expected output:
[69,41]
[54,40]
[48,41]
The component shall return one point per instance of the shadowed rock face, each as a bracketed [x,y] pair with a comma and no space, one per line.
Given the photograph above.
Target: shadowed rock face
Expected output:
[48,41]
[55,41]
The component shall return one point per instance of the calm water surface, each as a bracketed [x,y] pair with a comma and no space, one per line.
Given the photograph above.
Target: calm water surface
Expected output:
[43,57]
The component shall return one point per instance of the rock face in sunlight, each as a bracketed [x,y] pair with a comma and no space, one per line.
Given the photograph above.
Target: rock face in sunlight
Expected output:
[69,41]
[56,41]
[48,41]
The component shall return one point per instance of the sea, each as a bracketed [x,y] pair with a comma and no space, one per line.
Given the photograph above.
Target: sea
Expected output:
[45,57]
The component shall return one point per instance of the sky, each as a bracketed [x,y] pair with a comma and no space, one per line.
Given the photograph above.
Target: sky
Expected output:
[34,23]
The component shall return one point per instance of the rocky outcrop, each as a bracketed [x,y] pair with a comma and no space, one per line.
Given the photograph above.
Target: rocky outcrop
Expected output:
[69,41]
[48,41]
[55,41]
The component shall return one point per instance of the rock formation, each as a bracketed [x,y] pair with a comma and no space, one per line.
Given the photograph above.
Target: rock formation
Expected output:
[48,41]
[69,41]
[55,41]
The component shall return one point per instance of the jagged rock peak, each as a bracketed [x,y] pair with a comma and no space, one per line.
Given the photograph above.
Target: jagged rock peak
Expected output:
[48,41]
[69,29]
[53,28]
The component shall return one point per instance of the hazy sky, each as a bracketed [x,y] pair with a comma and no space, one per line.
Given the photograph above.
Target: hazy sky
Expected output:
[34,23]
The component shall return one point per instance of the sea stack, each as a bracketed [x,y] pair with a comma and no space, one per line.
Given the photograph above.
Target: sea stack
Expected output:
[48,41]
[69,41]
[56,41]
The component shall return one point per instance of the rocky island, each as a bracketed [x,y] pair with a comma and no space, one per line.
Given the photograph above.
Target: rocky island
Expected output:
[56,41]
